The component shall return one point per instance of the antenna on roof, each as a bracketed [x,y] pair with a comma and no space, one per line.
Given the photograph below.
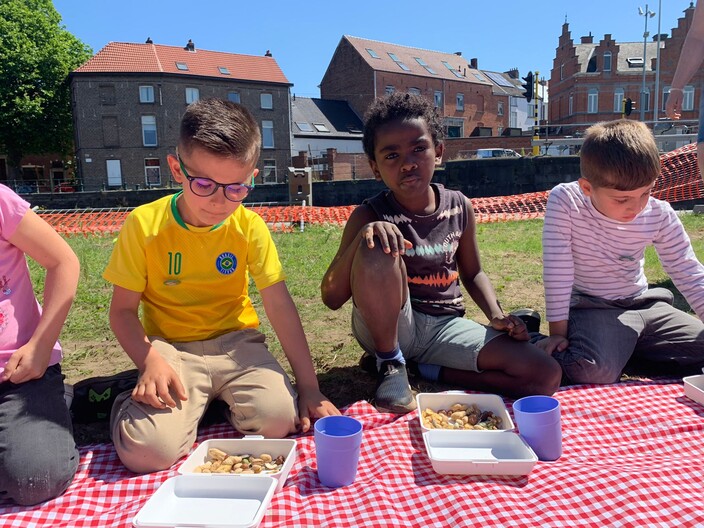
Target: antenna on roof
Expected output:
[190,46]
[149,41]
[268,53]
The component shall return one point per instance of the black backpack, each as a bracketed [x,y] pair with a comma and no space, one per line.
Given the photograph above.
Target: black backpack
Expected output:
[93,397]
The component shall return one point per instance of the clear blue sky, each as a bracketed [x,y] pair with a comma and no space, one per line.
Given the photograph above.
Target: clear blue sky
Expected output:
[303,35]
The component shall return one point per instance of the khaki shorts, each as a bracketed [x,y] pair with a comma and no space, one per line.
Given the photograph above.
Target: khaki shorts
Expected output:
[446,340]
[237,368]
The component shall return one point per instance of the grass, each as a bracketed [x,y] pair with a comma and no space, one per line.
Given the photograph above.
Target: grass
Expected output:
[511,256]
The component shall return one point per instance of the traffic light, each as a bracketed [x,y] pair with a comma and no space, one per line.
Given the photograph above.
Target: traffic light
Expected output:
[628,106]
[528,86]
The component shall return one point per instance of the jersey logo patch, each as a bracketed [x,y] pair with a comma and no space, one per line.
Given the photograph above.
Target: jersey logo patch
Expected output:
[226,263]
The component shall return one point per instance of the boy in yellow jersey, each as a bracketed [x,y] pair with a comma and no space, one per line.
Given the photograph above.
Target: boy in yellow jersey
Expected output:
[187,259]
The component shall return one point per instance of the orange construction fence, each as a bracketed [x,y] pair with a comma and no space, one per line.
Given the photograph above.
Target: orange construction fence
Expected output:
[679,181]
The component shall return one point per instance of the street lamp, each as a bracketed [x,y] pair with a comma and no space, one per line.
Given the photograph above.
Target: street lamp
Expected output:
[647,13]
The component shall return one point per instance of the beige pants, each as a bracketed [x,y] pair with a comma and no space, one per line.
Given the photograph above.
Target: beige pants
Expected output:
[237,368]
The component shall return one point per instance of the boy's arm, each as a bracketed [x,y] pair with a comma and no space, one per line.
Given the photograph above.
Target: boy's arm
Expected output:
[478,284]
[558,270]
[36,238]
[363,223]
[157,377]
[283,316]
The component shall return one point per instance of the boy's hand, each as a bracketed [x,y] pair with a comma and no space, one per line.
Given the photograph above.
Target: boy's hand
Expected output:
[155,384]
[313,404]
[553,343]
[390,237]
[25,364]
[515,326]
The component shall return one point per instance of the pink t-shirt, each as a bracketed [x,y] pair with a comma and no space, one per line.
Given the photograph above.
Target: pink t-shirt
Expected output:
[19,308]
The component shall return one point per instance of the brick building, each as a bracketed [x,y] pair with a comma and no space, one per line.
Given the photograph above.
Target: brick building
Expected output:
[470,101]
[128,100]
[590,80]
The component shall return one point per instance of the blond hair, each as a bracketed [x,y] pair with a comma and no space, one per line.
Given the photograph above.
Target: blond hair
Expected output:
[619,155]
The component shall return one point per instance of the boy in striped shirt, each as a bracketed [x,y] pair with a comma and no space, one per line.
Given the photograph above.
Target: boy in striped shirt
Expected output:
[599,307]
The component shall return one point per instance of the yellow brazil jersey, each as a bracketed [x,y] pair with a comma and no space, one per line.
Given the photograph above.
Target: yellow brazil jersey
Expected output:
[194,281]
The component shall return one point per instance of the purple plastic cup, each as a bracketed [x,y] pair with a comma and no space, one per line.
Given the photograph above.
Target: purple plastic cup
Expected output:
[337,443]
[538,420]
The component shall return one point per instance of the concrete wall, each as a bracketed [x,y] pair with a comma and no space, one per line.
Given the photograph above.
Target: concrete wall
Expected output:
[475,178]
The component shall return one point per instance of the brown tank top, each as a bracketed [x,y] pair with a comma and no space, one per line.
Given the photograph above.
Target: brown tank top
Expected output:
[431,264]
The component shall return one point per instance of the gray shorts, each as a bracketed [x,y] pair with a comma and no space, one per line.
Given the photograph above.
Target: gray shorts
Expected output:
[604,335]
[446,340]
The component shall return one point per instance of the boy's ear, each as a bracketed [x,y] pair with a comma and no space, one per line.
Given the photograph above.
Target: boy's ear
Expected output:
[375,170]
[439,151]
[585,186]
[175,168]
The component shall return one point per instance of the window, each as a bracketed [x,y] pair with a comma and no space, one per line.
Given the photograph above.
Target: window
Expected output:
[562,73]
[267,134]
[399,62]
[223,70]
[182,66]
[453,126]
[645,100]
[192,95]
[107,94]
[570,105]
[233,97]
[267,101]
[303,126]
[414,91]
[269,171]
[372,53]
[438,99]
[607,61]
[146,94]
[500,109]
[111,132]
[618,100]
[593,101]
[460,102]
[321,127]
[389,90]
[455,72]
[688,98]
[149,131]
[425,65]
[152,172]
[635,62]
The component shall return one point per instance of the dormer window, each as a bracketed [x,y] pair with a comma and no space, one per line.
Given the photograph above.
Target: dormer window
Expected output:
[635,62]
[182,66]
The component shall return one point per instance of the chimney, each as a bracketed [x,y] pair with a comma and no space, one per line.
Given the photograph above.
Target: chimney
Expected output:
[663,36]
[473,63]
[513,73]
[589,39]
[190,46]
[458,53]
[268,53]
[149,41]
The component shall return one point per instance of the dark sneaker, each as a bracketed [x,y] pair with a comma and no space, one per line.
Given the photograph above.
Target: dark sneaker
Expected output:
[530,317]
[368,363]
[393,393]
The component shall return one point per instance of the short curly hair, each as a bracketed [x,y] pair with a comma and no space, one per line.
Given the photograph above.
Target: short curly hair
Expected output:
[399,106]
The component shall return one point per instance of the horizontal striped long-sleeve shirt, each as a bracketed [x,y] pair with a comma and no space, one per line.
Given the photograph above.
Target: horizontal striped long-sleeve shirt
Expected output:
[585,251]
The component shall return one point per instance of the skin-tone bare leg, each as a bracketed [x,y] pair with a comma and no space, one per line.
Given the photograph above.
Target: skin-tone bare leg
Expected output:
[378,287]
[509,367]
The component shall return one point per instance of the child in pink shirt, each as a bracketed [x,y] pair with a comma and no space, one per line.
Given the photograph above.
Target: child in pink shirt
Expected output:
[38,456]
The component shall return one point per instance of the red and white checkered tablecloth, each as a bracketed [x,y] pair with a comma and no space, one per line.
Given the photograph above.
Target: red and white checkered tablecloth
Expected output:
[633,455]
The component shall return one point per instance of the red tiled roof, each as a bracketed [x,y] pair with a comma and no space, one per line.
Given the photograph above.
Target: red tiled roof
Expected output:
[127,57]
[434,59]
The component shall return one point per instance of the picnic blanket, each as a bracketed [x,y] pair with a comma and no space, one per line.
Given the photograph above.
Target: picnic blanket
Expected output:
[633,455]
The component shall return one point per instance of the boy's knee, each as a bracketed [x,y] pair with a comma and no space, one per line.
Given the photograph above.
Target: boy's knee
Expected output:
[142,455]
[270,421]
[578,370]
[38,478]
